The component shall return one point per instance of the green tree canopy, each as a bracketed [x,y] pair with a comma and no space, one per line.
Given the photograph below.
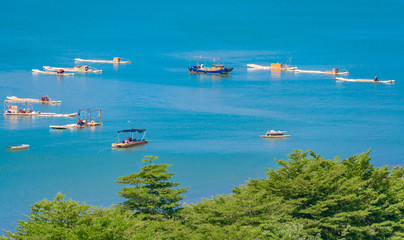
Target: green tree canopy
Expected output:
[151,191]
[334,199]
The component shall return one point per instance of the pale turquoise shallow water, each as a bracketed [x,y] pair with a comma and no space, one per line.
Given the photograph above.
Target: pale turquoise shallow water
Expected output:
[207,126]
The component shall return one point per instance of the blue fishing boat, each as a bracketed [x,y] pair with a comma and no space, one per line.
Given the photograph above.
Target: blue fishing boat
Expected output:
[214,69]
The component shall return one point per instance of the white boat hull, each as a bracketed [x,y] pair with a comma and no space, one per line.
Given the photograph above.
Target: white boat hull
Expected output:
[364,80]
[18,147]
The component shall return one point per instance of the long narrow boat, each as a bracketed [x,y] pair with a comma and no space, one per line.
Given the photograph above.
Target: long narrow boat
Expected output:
[334,71]
[52,73]
[44,100]
[85,119]
[275,134]
[14,110]
[365,80]
[67,126]
[115,60]
[274,66]
[79,69]
[39,114]
[131,140]
[18,147]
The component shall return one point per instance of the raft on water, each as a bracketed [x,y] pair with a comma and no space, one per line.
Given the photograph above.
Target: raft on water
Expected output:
[115,60]
[365,80]
[59,73]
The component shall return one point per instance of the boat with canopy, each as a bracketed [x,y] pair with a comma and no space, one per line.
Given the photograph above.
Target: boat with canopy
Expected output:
[275,134]
[132,140]
[19,110]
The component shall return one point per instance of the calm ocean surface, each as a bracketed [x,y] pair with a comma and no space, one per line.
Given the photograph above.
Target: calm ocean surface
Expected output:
[206,126]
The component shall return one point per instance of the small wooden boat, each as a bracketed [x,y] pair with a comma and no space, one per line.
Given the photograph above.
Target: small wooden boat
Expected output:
[334,71]
[59,73]
[38,114]
[274,66]
[115,60]
[132,140]
[18,147]
[79,69]
[275,134]
[44,100]
[365,80]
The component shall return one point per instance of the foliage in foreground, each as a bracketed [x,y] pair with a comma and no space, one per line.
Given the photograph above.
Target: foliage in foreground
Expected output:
[152,192]
[307,197]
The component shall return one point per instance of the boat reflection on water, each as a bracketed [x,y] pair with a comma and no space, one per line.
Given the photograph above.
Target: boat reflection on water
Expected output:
[276,74]
[15,121]
[209,77]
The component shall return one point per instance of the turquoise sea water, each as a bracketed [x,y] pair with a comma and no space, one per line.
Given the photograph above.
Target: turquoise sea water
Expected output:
[206,126]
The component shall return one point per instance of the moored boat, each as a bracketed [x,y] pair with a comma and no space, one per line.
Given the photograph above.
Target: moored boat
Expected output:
[79,69]
[376,80]
[116,60]
[214,69]
[44,100]
[85,119]
[59,72]
[334,71]
[275,134]
[14,110]
[131,140]
[274,66]
[18,147]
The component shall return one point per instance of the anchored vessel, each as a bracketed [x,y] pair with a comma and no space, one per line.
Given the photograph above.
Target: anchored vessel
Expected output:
[376,80]
[44,100]
[214,69]
[131,140]
[275,134]
[85,119]
[115,60]
[80,69]
[334,71]
[15,110]
[59,72]
[274,66]
[18,147]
